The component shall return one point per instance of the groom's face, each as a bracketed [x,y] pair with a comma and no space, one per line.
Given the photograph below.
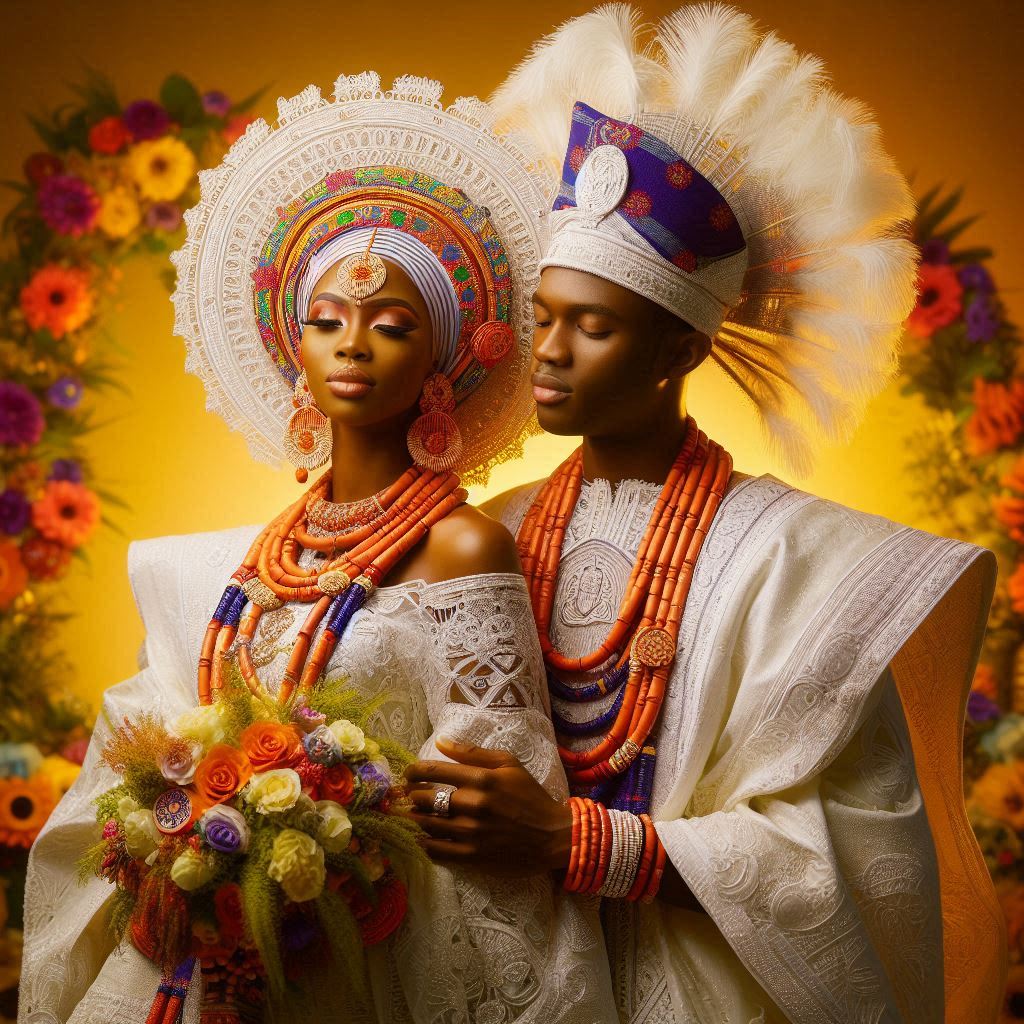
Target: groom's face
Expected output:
[605,360]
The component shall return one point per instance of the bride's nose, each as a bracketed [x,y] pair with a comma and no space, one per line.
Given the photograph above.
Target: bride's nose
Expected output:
[354,343]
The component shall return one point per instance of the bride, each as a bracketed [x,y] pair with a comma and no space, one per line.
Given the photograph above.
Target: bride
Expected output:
[358,279]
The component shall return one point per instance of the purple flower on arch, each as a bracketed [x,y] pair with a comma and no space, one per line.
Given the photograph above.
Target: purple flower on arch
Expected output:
[981,320]
[975,278]
[21,415]
[146,119]
[15,511]
[935,250]
[65,392]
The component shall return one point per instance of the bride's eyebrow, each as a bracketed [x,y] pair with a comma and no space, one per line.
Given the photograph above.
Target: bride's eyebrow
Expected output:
[374,303]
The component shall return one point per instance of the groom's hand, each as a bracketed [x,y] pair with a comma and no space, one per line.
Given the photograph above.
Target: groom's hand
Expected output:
[500,818]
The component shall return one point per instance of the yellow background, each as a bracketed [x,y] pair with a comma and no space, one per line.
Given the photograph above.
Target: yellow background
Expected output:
[943,78]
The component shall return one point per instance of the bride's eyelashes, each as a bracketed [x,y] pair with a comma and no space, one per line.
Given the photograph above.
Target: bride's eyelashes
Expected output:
[390,329]
[323,323]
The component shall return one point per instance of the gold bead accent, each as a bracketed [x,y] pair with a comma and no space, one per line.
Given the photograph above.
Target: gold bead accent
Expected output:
[365,582]
[332,582]
[653,647]
[259,593]
[623,757]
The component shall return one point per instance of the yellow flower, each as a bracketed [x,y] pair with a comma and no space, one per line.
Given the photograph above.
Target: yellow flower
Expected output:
[119,213]
[335,830]
[204,724]
[350,737]
[274,791]
[61,770]
[297,864]
[191,871]
[162,168]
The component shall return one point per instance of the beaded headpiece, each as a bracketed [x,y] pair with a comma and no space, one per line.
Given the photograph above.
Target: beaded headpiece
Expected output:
[711,170]
[380,165]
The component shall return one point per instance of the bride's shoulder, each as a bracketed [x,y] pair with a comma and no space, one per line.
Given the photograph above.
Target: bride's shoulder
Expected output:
[465,543]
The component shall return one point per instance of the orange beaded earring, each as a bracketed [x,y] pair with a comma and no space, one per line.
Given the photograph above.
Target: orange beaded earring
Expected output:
[307,438]
[434,440]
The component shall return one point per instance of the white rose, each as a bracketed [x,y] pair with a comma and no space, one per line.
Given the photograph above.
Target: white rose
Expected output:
[141,836]
[204,724]
[335,829]
[191,871]
[274,791]
[350,737]
[125,806]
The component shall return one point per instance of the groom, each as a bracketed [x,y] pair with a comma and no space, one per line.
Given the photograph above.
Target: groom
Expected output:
[801,772]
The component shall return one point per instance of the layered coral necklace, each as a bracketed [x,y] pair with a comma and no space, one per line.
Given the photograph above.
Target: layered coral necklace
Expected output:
[641,646]
[375,535]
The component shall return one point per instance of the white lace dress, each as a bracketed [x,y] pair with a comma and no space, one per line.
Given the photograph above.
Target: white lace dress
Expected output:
[786,790]
[458,658]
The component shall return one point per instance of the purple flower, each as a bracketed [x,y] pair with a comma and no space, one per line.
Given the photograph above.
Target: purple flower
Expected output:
[21,415]
[935,250]
[975,278]
[376,780]
[65,393]
[981,708]
[15,511]
[66,469]
[164,216]
[982,323]
[225,829]
[216,102]
[146,119]
[297,932]
[69,205]
[322,747]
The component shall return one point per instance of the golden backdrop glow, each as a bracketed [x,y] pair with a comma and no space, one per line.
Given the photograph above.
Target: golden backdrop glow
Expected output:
[943,78]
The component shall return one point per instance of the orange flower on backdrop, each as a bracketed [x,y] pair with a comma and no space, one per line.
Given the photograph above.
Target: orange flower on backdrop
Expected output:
[67,513]
[271,745]
[57,298]
[985,681]
[25,804]
[1015,588]
[998,417]
[221,774]
[1000,793]
[109,136]
[938,299]
[13,574]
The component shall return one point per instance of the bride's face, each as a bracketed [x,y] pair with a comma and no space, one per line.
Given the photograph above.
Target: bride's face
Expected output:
[366,363]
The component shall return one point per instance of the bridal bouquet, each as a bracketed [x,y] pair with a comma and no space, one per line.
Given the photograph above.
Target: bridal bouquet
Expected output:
[256,840]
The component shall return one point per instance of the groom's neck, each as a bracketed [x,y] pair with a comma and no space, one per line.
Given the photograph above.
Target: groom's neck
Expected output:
[645,454]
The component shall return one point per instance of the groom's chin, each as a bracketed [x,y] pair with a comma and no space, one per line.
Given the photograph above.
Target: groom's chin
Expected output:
[557,419]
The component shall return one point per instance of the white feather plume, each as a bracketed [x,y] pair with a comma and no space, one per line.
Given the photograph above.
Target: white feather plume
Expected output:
[830,278]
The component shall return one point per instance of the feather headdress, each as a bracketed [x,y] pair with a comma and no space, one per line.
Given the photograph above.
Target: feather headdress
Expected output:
[806,313]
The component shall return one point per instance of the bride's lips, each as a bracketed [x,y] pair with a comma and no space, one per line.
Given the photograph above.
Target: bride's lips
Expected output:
[549,390]
[350,382]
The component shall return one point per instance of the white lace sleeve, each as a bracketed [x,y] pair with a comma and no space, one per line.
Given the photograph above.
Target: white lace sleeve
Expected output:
[479,947]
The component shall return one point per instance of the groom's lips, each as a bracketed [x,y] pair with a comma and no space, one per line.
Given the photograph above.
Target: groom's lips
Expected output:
[549,390]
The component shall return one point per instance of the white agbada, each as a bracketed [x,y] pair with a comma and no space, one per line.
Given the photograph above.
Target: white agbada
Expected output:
[459,658]
[785,789]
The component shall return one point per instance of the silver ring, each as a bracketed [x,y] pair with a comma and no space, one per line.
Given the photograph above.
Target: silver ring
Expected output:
[442,803]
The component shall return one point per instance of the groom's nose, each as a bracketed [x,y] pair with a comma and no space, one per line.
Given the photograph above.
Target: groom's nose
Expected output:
[551,344]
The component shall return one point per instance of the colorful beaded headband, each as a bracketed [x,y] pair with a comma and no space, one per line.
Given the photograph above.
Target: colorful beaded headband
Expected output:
[456,231]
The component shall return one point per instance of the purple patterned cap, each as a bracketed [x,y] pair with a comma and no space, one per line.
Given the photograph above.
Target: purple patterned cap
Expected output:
[674,208]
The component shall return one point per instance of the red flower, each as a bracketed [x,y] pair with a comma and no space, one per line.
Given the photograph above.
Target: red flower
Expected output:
[227,902]
[67,513]
[109,136]
[235,128]
[13,575]
[40,166]
[337,785]
[45,559]
[998,417]
[392,900]
[938,299]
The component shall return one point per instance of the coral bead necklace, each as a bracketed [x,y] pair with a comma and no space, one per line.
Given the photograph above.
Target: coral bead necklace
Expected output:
[355,560]
[643,639]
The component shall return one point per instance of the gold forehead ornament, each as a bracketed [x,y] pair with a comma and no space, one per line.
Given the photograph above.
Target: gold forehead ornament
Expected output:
[362,274]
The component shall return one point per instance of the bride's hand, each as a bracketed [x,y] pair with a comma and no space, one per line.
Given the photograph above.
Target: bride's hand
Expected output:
[500,818]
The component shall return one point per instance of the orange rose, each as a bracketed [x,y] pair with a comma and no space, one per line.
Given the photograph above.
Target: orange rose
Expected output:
[221,774]
[271,745]
[337,785]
